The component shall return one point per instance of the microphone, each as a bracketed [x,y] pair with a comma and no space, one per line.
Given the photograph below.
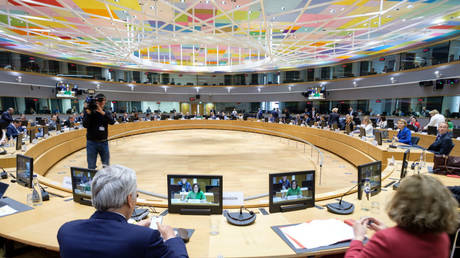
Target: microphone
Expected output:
[342,207]
[240,218]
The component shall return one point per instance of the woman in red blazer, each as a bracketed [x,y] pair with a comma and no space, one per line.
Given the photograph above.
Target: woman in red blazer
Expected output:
[423,210]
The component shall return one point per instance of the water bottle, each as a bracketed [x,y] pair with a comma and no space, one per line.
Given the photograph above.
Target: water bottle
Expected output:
[36,192]
[366,199]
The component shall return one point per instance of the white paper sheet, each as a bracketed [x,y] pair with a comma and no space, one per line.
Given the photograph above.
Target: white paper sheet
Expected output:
[318,233]
[6,210]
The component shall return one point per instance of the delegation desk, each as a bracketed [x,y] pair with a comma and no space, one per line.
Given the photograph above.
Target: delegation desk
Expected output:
[38,227]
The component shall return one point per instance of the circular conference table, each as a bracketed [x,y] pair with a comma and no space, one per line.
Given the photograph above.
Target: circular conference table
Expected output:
[38,227]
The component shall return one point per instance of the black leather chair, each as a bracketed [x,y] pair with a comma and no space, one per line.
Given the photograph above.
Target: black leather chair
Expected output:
[414,140]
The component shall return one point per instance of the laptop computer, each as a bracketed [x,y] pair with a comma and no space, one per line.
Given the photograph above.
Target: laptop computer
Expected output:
[3,188]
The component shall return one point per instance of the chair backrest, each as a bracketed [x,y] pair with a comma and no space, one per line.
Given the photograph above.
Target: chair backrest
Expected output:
[451,148]
[414,140]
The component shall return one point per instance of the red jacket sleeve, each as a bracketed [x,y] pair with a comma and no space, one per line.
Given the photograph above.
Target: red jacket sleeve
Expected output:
[376,247]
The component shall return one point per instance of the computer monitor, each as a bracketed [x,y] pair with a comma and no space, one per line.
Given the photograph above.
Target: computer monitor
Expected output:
[19,142]
[194,194]
[372,172]
[432,130]
[456,133]
[390,123]
[291,191]
[45,130]
[32,134]
[378,136]
[404,164]
[81,184]
[24,170]
[362,132]
[411,127]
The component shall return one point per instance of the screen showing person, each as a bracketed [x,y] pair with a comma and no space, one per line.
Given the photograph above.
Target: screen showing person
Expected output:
[195,194]
[291,191]
[371,172]
[194,190]
[81,184]
[288,187]
[24,170]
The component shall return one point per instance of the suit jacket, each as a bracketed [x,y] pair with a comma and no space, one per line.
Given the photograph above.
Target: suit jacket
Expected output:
[397,242]
[405,135]
[11,131]
[442,144]
[108,234]
[334,118]
[5,120]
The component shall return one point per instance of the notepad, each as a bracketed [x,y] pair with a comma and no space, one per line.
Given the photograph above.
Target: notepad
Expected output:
[318,233]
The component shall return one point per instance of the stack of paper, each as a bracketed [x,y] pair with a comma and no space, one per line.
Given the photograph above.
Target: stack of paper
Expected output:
[318,233]
[6,210]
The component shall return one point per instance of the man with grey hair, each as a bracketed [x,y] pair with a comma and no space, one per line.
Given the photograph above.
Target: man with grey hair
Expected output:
[107,233]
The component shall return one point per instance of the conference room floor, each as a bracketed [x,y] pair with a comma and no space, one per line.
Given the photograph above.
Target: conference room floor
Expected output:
[244,159]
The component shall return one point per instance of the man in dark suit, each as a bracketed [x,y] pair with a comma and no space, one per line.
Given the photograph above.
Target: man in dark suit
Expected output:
[13,130]
[107,233]
[443,143]
[5,120]
[334,117]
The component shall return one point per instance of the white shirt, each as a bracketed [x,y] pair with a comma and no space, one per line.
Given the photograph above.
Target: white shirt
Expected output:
[435,120]
[369,130]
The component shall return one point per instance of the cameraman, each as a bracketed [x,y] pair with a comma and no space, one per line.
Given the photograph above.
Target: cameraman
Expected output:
[96,121]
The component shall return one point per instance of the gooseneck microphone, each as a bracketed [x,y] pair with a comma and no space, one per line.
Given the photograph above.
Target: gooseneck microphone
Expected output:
[342,207]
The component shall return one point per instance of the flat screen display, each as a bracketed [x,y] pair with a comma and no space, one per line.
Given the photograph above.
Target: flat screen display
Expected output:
[291,190]
[81,184]
[372,172]
[24,170]
[195,194]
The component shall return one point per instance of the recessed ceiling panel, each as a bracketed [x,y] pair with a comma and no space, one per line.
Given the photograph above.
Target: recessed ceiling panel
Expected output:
[222,36]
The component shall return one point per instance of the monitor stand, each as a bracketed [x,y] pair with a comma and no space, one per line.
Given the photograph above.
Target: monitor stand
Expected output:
[293,207]
[197,211]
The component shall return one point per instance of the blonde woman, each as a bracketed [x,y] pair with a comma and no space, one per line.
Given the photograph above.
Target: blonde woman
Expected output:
[367,125]
[424,211]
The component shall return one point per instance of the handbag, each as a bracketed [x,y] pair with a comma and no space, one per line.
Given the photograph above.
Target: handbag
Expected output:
[446,165]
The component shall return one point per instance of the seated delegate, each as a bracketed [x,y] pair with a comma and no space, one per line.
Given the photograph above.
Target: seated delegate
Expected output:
[107,233]
[196,193]
[186,187]
[423,220]
[367,125]
[443,143]
[294,190]
[285,184]
[13,129]
[404,134]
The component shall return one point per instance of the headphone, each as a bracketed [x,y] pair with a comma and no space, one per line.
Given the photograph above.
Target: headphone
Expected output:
[240,218]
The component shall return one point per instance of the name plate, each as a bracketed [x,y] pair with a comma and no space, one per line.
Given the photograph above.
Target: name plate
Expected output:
[233,198]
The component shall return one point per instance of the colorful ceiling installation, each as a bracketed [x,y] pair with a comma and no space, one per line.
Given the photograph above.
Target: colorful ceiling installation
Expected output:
[222,36]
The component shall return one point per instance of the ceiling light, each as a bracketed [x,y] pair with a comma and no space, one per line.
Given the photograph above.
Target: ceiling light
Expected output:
[283,8]
[388,16]
[404,20]
[237,6]
[410,6]
[223,2]
[332,11]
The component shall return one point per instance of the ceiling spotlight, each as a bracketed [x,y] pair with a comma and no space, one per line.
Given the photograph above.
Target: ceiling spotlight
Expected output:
[19,79]
[438,74]
[229,89]
[197,89]
[165,88]
[259,89]
[98,86]
[182,1]
[289,88]
[237,6]
[389,16]
[393,79]
[355,84]
[404,20]
[332,11]
[223,2]
[410,6]
[283,8]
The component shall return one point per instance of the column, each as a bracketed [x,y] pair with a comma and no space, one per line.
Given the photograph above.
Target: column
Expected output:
[21,105]
[16,61]
[66,104]
[63,68]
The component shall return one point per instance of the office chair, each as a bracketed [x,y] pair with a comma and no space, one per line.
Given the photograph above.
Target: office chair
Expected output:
[451,148]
